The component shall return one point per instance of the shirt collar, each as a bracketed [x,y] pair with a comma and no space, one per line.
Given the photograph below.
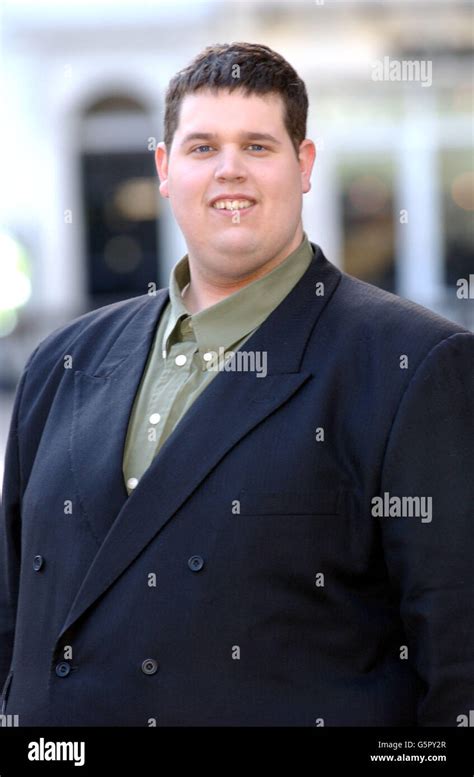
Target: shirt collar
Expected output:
[233,318]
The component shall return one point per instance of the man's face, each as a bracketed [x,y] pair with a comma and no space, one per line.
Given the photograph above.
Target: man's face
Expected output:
[218,152]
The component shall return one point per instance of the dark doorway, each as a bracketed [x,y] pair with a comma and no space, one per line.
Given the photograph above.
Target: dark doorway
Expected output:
[120,193]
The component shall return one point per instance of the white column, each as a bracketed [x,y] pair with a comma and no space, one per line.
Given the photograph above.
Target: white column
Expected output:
[419,241]
[321,211]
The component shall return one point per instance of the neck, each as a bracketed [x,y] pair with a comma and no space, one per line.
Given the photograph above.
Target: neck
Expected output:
[201,292]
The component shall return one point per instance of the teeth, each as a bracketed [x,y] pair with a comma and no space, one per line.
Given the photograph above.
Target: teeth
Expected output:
[232,204]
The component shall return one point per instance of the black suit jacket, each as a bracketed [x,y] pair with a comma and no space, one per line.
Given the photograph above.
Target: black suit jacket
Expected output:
[246,580]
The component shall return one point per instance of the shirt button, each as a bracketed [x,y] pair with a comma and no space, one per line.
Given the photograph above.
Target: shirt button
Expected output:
[149,666]
[132,483]
[154,418]
[180,360]
[62,669]
[195,563]
[38,562]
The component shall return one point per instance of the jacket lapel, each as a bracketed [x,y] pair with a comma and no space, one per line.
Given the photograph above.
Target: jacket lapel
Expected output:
[101,411]
[215,417]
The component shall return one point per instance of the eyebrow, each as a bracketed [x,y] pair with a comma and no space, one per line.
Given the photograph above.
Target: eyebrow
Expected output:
[243,135]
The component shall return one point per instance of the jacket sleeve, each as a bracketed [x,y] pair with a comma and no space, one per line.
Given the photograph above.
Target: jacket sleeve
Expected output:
[430,558]
[10,531]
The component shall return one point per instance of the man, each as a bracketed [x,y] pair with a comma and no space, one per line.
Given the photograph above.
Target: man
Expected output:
[243,500]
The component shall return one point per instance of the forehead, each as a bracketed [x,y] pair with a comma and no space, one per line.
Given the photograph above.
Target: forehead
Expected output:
[217,111]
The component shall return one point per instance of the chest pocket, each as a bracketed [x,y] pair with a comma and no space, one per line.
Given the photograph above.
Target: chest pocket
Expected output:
[321,502]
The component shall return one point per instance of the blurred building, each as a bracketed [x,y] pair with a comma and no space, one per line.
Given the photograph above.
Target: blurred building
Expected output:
[84,84]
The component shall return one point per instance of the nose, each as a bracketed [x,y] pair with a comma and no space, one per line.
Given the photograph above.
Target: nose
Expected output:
[230,166]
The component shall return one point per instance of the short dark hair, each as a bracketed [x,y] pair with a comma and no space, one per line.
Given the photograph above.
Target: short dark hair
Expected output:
[260,71]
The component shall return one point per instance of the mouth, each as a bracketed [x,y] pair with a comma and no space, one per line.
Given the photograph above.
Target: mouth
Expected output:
[228,207]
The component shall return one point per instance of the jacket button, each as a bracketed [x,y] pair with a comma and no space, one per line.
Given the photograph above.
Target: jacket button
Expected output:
[149,666]
[38,562]
[195,563]
[63,669]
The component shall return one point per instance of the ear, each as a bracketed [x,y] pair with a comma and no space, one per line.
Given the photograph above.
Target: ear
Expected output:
[161,162]
[306,157]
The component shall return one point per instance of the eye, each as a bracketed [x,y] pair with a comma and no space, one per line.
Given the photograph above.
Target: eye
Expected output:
[257,145]
[199,147]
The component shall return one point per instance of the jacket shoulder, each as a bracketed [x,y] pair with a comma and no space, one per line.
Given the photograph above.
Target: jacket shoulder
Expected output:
[376,313]
[98,328]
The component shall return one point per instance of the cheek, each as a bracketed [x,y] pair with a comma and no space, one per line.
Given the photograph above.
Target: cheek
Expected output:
[280,183]
[187,185]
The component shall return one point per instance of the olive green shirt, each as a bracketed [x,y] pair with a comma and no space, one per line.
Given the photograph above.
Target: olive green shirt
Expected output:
[189,350]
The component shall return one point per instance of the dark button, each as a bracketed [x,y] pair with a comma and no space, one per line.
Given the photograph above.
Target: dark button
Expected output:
[149,666]
[63,669]
[195,563]
[38,562]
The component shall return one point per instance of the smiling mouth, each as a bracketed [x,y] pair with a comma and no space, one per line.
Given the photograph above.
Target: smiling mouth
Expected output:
[230,207]
[237,204]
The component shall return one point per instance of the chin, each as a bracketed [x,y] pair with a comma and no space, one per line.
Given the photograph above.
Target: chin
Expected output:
[236,241]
